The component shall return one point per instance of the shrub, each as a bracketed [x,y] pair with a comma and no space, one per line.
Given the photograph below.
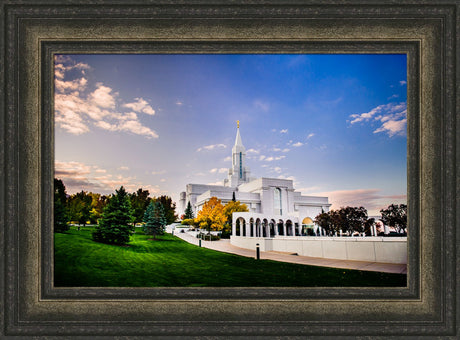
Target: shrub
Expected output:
[206,237]
[188,221]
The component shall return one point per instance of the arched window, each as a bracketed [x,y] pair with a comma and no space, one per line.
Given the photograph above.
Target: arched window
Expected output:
[241,165]
[277,209]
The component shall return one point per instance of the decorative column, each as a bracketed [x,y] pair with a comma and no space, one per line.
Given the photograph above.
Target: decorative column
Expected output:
[284,229]
[234,228]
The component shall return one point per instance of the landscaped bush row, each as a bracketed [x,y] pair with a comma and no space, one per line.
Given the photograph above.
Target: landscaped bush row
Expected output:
[208,237]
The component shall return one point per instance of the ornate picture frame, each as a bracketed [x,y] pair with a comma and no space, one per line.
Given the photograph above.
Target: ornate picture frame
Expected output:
[33,31]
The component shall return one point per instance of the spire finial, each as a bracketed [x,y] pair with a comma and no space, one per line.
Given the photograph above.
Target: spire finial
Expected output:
[238,124]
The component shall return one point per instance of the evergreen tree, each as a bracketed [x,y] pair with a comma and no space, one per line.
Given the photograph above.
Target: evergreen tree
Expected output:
[188,212]
[233,197]
[139,202]
[169,208]
[154,219]
[114,226]
[61,215]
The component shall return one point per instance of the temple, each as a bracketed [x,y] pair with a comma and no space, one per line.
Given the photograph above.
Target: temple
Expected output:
[272,200]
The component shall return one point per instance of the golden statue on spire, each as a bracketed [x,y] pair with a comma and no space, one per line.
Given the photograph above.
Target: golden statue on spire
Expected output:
[238,124]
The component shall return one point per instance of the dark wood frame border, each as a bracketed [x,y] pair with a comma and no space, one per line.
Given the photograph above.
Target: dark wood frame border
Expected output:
[32,31]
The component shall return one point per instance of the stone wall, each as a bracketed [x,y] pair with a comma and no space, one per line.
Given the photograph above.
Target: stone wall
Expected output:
[371,249]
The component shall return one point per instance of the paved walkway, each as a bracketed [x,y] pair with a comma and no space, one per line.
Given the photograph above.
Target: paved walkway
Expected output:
[226,247]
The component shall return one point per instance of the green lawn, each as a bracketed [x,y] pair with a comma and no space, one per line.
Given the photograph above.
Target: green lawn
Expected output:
[171,262]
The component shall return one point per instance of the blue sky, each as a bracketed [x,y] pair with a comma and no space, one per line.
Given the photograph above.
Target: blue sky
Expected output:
[335,124]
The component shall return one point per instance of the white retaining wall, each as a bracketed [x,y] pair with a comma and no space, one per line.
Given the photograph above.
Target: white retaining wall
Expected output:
[371,249]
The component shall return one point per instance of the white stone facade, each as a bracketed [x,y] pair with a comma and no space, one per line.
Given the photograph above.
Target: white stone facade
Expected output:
[265,197]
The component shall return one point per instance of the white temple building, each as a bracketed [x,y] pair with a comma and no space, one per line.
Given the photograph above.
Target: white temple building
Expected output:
[275,208]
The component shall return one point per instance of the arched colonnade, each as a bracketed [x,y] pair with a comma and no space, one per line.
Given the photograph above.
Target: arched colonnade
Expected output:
[259,225]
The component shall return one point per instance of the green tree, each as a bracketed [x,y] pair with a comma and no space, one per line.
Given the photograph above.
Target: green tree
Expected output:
[395,216]
[98,202]
[140,200]
[188,214]
[169,208]
[154,219]
[79,207]
[324,221]
[345,219]
[115,225]
[233,197]
[353,219]
[60,209]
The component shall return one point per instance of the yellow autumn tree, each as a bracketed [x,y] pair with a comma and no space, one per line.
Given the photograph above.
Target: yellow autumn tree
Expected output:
[211,216]
[229,209]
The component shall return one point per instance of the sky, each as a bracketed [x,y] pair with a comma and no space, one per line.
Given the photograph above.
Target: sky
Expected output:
[334,124]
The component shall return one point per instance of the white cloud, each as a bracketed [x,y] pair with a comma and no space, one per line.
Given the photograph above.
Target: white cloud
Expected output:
[271,158]
[76,109]
[310,135]
[393,127]
[281,150]
[297,144]
[134,126]
[106,126]
[251,151]
[161,172]
[103,97]
[140,105]
[392,118]
[402,82]
[220,171]
[365,116]
[123,168]
[261,158]
[212,147]
[179,103]
[71,85]
[284,131]
[277,169]
[228,159]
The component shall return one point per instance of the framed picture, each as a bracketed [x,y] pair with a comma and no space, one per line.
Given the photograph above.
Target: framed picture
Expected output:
[35,35]
[175,120]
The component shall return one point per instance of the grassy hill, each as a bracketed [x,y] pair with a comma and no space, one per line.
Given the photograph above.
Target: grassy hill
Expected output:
[171,262]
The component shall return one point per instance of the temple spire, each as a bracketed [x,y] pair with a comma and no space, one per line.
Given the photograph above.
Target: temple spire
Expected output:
[238,141]
[238,173]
